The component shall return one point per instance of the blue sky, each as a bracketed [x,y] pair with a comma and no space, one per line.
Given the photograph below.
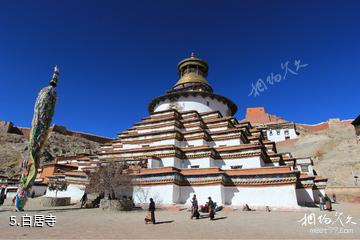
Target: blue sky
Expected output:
[115,56]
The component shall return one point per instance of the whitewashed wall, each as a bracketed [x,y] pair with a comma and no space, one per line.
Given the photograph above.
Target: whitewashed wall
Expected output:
[250,162]
[205,162]
[283,196]
[229,142]
[197,103]
[162,194]
[171,162]
[281,137]
[216,192]
[154,163]
[158,129]
[74,191]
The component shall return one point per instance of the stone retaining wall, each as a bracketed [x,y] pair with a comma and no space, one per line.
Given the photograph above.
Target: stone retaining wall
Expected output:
[53,202]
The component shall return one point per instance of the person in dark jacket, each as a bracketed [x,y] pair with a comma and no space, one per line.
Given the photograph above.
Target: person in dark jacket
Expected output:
[83,200]
[328,203]
[334,197]
[194,208]
[211,206]
[152,210]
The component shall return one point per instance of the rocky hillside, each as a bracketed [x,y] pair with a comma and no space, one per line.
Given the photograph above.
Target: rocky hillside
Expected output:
[335,150]
[13,147]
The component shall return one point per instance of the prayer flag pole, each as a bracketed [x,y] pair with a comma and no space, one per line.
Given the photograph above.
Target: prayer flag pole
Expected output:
[43,113]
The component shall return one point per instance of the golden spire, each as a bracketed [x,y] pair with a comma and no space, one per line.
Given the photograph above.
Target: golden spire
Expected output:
[55,77]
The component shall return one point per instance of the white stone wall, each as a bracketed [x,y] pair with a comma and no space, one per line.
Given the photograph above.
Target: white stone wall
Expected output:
[163,194]
[74,191]
[197,103]
[154,163]
[275,137]
[158,129]
[250,162]
[171,162]
[229,142]
[205,162]
[195,143]
[281,197]
[202,194]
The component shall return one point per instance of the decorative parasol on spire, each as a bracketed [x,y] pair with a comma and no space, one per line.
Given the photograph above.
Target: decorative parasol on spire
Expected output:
[43,113]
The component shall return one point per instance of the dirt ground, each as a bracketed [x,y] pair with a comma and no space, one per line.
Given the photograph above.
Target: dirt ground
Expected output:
[73,222]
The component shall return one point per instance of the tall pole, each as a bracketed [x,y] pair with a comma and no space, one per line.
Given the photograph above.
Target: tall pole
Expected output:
[43,113]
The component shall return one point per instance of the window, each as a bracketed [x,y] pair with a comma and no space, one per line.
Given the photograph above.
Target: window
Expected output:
[236,167]
[270,132]
[304,168]
[207,103]
[286,132]
[222,145]
[195,166]
[287,137]
[278,132]
[144,146]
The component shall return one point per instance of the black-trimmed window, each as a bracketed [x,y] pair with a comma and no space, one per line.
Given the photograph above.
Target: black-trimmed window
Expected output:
[236,167]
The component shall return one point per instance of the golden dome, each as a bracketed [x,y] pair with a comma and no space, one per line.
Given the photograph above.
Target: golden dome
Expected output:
[192,70]
[191,78]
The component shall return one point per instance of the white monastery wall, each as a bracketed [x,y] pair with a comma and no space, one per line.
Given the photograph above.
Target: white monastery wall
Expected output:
[195,143]
[216,192]
[205,162]
[277,135]
[157,129]
[197,103]
[154,163]
[229,142]
[74,191]
[162,194]
[250,162]
[171,162]
[283,196]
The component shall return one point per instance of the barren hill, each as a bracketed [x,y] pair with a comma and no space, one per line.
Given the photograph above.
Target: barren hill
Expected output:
[334,148]
[14,146]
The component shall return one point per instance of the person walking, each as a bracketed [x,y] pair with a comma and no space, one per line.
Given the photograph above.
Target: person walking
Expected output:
[328,203]
[151,214]
[83,200]
[321,202]
[1,199]
[211,206]
[194,208]
[334,197]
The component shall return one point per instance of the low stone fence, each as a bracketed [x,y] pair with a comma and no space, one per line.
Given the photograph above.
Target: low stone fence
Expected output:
[54,202]
[345,194]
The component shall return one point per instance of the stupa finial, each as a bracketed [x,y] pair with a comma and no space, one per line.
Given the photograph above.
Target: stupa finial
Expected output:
[192,54]
[55,77]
